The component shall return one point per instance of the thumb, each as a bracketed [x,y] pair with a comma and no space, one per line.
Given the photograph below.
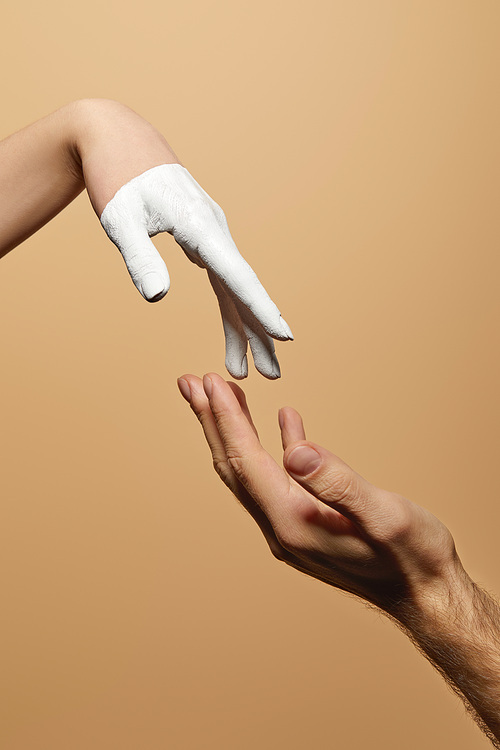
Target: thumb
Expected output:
[145,265]
[329,479]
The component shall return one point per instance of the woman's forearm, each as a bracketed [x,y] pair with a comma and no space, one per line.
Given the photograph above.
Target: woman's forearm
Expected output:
[95,143]
[38,176]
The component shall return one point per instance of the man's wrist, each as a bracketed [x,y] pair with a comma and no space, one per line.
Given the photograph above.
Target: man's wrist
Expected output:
[456,625]
[433,603]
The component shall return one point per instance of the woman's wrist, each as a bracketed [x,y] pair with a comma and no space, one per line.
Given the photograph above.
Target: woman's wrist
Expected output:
[40,175]
[110,145]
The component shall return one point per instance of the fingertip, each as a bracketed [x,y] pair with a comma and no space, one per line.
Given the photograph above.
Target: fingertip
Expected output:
[291,414]
[291,425]
[237,370]
[157,297]
[276,368]
[281,418]
[286,329]
[208,384]
[214,384]
[184,388]
[215,377]
[154,286]
[268,366]
[276,326]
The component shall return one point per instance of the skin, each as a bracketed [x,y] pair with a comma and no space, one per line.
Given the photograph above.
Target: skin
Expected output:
[321,517]
[138,188]
[96,144]
[317,514]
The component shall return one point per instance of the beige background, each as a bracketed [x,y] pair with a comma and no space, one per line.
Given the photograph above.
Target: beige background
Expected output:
[354,146]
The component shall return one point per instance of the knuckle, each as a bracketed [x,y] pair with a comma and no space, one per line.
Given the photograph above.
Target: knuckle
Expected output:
[396,525]
[339,485]
[219,215]
[202,222]
[237,464]
[200,412]
[244,464]
[291,539]
[221,467]
[190,222]
[197,212]
[158,221]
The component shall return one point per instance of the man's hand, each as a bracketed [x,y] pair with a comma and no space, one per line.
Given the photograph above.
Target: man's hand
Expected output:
[321,517]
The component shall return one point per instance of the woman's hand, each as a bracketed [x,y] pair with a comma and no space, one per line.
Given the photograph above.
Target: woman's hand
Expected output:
[138,188]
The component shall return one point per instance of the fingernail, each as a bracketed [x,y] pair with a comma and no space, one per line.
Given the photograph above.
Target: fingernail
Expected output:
[303,460]
[184,389]
[276,367]
[153,287]
[207,385]
[244,367]
[281,419]
[286,328]
[238,371]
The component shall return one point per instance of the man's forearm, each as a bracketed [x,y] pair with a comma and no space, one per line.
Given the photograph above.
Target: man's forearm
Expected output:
[458,630]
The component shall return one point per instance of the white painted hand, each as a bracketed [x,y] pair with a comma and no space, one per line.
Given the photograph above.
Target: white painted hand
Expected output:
[168,199]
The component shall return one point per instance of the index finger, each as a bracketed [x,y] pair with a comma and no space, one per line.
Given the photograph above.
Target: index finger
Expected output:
[257,471]
[220,254]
